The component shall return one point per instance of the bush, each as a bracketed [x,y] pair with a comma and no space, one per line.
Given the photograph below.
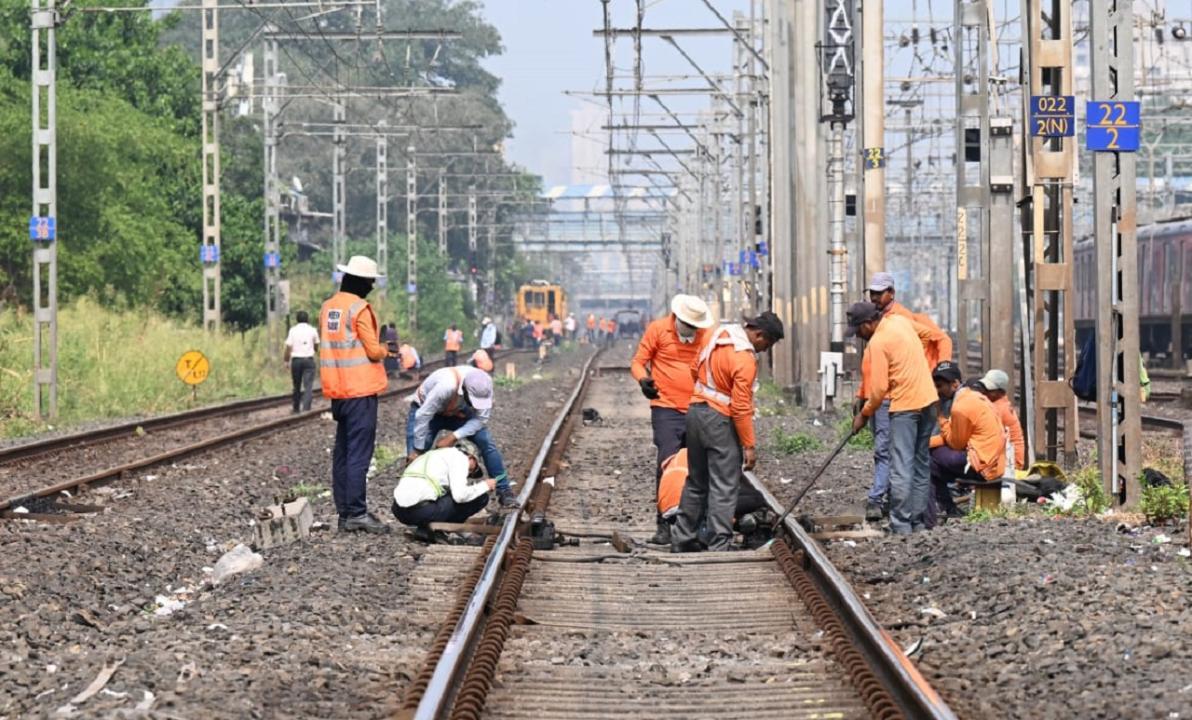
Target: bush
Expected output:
[1091,498]
[1164,502]
[862,440]
[795,443]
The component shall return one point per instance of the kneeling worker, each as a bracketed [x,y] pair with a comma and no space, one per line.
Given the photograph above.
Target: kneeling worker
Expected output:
[458,399]
[442,485]
[972,441]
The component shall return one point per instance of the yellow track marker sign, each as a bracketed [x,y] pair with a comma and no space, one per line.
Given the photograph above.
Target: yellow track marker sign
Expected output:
[192,367]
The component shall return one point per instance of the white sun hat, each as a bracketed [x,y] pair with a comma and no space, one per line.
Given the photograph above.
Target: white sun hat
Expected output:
[361,267]
[692,311]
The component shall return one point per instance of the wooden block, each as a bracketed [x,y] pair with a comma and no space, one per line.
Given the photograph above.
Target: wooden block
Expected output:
[283,524]
[511,371]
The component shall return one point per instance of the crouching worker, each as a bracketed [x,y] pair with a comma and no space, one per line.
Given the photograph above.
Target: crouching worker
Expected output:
[752,518]
[459,400]
[972,441]
[443,485]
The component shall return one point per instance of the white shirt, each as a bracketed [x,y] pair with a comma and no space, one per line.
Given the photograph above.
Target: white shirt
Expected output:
[302,340]
[448,468]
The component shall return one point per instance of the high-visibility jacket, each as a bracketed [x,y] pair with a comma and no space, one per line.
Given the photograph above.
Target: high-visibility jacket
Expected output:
[345,369]
[725,372]
[591,322]
[409,356]
[670,487]
[453,340]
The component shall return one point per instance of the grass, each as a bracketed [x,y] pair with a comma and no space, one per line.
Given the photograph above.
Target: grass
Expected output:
[385,456]
[794,443]
[862,440]
[307,491]
[508,383]
[114,364]
[1164,503]
[770,400]
[1092,499]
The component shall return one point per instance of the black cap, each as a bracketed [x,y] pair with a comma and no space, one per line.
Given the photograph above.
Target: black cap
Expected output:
[946,370]
[768,323]
[861,312]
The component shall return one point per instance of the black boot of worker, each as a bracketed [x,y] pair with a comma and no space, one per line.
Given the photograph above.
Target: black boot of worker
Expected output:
[506,498]
[363,523]
[662,536]
[873,511]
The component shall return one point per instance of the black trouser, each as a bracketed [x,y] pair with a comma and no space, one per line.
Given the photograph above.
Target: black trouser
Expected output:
[450,357]
[670,434]
[445,509]
[302,373]
[355,439]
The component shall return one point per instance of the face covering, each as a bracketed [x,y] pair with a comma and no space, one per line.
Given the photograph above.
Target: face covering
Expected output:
[686,332]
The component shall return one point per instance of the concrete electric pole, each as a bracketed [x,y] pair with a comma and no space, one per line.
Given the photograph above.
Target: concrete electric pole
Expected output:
[43,230]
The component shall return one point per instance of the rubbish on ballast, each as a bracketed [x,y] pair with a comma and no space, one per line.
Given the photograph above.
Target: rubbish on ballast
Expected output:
[239,559]
[96,685]
[325,416]
[150,478]
[913,648]
[1184,552]
[217,626]
[167,606]
[22,510]
[933,612]
[849,543]
[1161,539]
[786,481]
[146,702]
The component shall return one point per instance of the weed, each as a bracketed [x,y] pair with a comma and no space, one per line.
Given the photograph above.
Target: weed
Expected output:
[795,443]
[862,440]
[384,456]
[1163,503]
[1091,498]
[307,490]
[508,383]
[1002,512]
[770,399]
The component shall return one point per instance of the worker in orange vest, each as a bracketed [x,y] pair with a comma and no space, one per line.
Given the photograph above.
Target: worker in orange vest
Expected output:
[971,444]
[453,340]
[662,367]
[751,512]
[720,437]
[352,376]
[591,328]
[411,361]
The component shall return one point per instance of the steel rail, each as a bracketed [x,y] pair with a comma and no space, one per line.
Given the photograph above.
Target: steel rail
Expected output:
[113,473]
[440,691]
[906,685]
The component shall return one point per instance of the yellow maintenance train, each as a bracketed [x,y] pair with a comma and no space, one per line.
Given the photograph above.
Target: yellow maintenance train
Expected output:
[540,300]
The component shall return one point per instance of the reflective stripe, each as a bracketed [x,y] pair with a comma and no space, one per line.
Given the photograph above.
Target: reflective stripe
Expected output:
[713,393]
[414,470]
[344,344]
[347,363]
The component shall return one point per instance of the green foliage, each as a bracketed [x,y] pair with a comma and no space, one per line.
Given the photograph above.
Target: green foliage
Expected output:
[114,364]
[1002,512]
[770,399]
[795,443]
[1164,503]
[1091,499]
[309,491]
[384,456]
[862,440]
[508,383]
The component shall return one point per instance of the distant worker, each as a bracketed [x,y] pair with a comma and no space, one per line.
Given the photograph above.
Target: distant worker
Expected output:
[898,370]
[993,385]
[720,437]
[453,340]
[352,376]
[972,441]
[442,485]
[301,343]
[391,340]
[569,326]
[460,400]
[662,367]
[591,328]
[411,361]
[481,359]
[488,334]
[556,329]
[539,333]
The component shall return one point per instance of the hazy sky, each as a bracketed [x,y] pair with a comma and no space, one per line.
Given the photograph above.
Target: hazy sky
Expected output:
[549,48]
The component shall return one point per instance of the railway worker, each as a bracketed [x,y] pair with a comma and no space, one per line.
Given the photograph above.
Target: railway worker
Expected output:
[570,325]
[301,343]
[556,330]
[481,359]
[720,437]
[674,479]
[459,400]
[488,334]
[591,328]
[662,367]
[352,376]
[993,385]
[898,370]
[972,440]
[411,361]
[391,339]
[445,484]
[937,344]
[453,341]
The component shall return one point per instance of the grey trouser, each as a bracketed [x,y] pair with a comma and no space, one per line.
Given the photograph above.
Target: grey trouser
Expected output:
[713,478]
[910,468]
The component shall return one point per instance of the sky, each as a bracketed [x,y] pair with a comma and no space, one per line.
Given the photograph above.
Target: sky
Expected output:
[549,49]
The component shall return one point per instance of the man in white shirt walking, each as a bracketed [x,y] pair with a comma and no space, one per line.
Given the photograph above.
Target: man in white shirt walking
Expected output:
[301,344]
[441,485]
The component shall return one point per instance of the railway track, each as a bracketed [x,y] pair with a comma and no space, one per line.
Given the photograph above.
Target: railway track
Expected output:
[31,476]
[602,626]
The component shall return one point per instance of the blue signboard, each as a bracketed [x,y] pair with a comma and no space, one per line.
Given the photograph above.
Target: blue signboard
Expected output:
[43,229]
[411,288]
[209,254]
[1053,115]
[272,260]
[1113,126]
[762,248]
[874,158]
[742,256]
[753,260]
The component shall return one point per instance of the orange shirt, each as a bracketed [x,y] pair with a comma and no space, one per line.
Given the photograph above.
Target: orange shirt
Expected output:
[669,360]
[556,326]
[453,340]
[897,368]
[937,345]
[733,373]
[1009,420]
[975,425]
[591,322]
[670,486]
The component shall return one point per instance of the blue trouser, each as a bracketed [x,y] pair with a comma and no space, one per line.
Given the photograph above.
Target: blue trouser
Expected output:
[355,439]
[881,453]
[910,468]
[493,462]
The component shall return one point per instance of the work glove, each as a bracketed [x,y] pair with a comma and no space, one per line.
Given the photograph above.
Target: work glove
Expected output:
[648,388]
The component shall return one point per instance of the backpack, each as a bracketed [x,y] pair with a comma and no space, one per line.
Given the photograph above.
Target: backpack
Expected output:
[1084,381]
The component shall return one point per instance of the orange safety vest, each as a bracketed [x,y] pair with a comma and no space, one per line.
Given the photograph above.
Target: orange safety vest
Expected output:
[454,340]
[409,357]
[591,322]
[344,368]
[670,487]
[705,384]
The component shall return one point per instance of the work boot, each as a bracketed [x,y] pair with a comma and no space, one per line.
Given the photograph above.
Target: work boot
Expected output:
[873,511]
[662,535]
[363,523]
[687,546]
[506,498]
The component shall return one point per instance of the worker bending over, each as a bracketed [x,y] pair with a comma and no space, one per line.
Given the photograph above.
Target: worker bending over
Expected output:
[993,386]
[898,370]
[720,438]
[751,514]
[662,367]
[352,376]
[458,399]
[972,441]
[442,485]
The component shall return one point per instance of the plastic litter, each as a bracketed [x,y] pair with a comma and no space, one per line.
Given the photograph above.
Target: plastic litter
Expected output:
[239,559]
[1184,552]
[933,612]
[1161,539]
